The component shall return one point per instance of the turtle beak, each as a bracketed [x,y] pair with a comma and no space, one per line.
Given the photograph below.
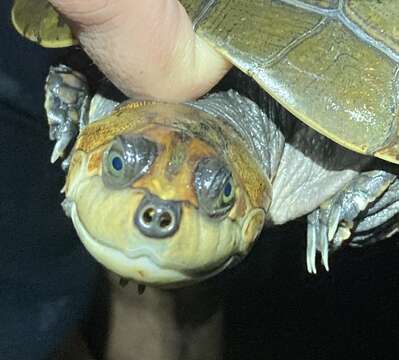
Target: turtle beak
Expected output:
[157,218]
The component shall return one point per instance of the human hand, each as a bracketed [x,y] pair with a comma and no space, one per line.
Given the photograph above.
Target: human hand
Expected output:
[146,48]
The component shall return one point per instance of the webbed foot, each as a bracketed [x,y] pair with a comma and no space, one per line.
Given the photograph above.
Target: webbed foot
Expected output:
[333,222]
[67,104]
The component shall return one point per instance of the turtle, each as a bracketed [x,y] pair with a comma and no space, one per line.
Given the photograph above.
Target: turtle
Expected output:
[171,194]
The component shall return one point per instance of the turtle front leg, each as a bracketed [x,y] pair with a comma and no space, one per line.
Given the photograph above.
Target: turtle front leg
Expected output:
[364,204]
[67,104]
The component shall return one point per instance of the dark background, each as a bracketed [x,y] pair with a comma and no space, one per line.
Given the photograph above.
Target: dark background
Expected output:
[46,277]
[273,307]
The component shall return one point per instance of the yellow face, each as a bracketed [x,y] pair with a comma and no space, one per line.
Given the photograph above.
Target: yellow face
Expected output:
[154,199]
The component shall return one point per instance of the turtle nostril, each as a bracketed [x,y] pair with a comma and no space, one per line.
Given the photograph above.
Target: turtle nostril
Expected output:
[165,220]
[148,215]
[157,218]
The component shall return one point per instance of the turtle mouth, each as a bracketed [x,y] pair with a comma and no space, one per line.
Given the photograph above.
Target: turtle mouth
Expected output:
[141,264]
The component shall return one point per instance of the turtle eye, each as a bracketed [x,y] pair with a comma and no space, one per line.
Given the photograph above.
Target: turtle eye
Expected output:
[116,163]
[214,187]
[128,158]
[228,193]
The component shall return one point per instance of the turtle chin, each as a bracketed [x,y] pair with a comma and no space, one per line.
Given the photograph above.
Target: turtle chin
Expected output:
[141,264]
[140,267]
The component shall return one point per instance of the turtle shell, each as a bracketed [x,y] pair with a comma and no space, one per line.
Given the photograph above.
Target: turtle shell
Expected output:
[39,22]
[333,63]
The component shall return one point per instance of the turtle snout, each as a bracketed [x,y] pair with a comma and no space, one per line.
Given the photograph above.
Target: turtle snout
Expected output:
[157,218]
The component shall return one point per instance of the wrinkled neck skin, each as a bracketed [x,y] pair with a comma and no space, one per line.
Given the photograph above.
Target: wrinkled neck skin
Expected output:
[165,324]
[304,167]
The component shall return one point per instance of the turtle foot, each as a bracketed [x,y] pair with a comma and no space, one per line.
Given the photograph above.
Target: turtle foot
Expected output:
[67,104]
[337,218]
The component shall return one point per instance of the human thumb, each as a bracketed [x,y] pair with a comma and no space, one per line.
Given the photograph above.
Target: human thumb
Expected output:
[148,48]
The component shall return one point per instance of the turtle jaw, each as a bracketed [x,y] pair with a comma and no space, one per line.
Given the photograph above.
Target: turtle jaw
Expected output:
[140,264]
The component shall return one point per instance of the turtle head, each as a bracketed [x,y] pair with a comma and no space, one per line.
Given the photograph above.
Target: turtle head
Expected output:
[165,194]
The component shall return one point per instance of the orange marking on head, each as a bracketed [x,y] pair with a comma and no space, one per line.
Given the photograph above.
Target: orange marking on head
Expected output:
[176,185]
[95,162]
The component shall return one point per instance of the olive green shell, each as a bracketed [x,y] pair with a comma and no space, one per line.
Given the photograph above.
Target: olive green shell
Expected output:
[39,22]
[333,63]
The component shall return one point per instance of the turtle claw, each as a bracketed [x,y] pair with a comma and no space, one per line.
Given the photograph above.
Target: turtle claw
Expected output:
[66,103]
[123,282]
[333,222]
[334,218]
[324,249]
[140,289]
[62,143]
[311,247]
[317,239]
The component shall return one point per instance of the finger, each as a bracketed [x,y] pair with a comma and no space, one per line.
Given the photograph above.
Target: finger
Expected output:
[146,48]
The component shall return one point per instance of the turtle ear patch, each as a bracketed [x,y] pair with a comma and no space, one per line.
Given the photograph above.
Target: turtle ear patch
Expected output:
[252,227]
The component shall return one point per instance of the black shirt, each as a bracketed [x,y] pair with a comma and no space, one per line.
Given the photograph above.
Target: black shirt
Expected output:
[46,276]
